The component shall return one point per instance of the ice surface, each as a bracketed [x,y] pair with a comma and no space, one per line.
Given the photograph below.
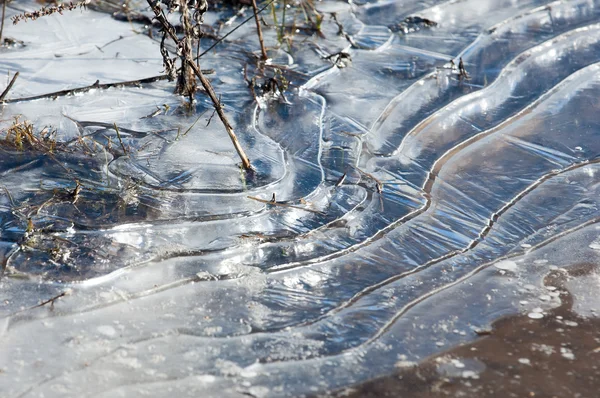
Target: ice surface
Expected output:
[420,206]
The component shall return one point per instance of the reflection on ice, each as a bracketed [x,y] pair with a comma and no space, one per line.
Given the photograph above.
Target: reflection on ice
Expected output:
[413,206]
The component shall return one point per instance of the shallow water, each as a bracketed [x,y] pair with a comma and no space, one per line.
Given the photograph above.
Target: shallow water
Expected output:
[460,195]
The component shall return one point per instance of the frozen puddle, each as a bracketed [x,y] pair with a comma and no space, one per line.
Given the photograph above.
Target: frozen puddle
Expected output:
[420,206]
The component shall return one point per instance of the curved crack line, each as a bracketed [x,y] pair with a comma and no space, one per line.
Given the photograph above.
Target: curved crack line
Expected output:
[85,365]
[323,105]
[379,333]
[198,191]
[432,175]
[431,293]
[438,165]
[380,234]
[471,47]
[81,226]
[126,297]
[475,271]
[260,211]
[154,258]
[527,55]
[481,236]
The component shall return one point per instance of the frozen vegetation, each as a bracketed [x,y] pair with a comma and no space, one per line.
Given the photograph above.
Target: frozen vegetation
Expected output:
[398,203]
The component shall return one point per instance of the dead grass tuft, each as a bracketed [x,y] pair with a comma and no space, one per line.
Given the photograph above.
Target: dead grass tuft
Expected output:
[21,136]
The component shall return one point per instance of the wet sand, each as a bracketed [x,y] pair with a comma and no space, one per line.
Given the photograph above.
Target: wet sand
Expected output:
[555,356]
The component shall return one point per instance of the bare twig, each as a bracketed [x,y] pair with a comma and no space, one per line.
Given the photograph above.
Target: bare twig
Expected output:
[44,11]
[273,203]
[7,89]
[462,72]
[186,83]
[50,301]
[3,15]
[192,126]
[97,85]
[219,108]
[251,83]
[341,180]
[170,30]
[120,140]
[282,33]
[378,183]
[234,29]
[259,32]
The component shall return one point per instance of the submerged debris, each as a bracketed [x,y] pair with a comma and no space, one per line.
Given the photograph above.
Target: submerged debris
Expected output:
[412,24]
[340,59]
[462,72]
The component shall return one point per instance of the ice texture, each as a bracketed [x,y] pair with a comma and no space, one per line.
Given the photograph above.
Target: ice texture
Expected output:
[414,202]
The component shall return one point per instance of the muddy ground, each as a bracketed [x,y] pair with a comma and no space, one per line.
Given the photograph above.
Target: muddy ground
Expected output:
[557,356]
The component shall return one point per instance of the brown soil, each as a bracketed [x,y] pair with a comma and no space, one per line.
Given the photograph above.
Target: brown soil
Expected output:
[521,357]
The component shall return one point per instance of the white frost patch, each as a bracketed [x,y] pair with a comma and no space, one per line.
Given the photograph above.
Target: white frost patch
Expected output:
[567,353]
[546,349]
[106,330]
[506,265]
[595,244]
[536,313]
[132,363]
[469,374]
[205,379]
[405,364]
[228,368]
[259,391]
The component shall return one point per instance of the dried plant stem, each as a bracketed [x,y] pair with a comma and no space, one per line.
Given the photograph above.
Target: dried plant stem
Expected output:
[259,31]
[44,11]
[50,301]
[97,85]
[219,108]
[186,83]
[3,15]
[234,29]
[283,20]
[275,203]
[120,139]
[169,30]
[5,92]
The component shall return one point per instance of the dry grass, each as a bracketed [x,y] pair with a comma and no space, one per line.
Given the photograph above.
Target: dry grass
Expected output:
[21,136]
[44,11]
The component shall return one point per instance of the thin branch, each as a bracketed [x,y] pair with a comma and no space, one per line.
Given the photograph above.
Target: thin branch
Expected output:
[120,140]
[9,85]
[97,85]
[44,11]
[6,259]
[50,301]
[259,32]
[236,28]
[192,126]
[3,15]
[168,28]
[219,108]
[274,203]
